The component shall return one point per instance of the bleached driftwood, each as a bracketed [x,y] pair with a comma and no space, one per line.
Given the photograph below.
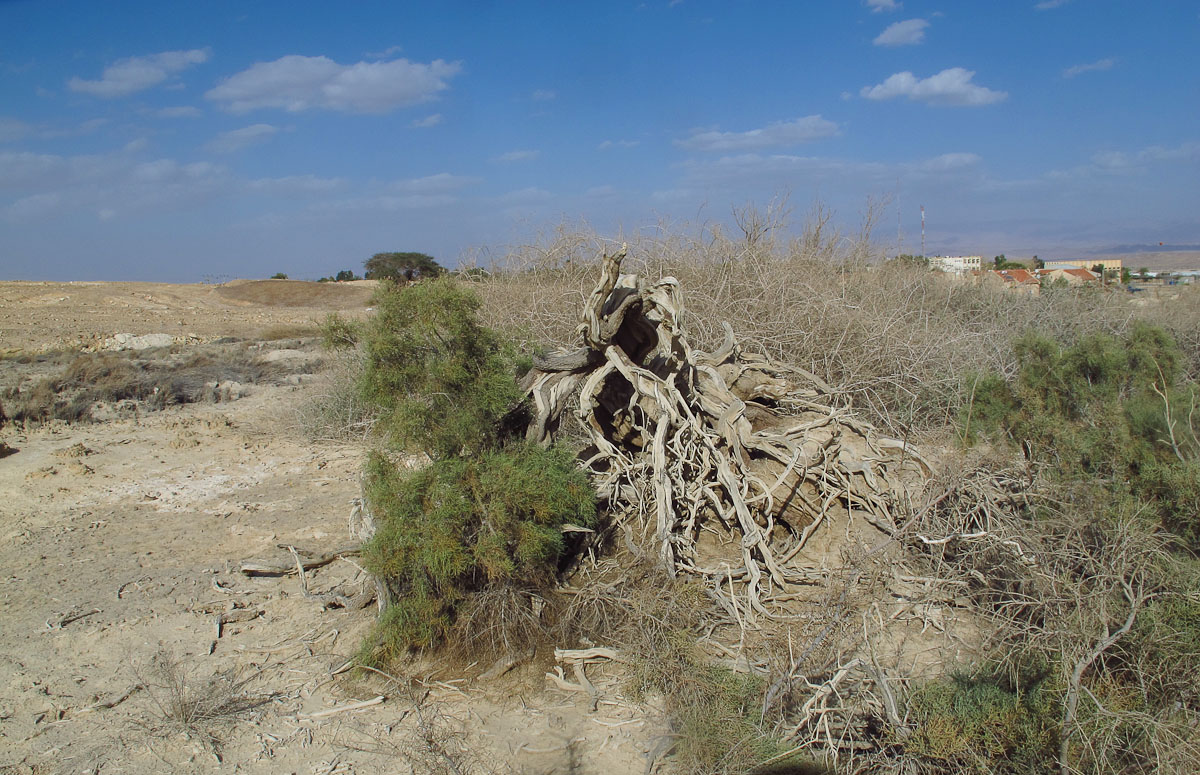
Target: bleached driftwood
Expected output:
[729,441]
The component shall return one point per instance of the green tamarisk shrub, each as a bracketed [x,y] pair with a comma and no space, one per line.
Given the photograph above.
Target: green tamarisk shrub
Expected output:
[489,509]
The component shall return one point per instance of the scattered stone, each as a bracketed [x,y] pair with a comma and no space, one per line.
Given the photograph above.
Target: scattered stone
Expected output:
[134,342]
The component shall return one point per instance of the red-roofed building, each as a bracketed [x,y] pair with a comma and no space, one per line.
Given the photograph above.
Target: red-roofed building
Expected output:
[1019,280]
[1073,276]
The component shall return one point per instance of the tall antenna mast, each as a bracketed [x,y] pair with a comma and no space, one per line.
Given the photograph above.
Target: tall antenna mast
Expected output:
[922,231]
[899,209]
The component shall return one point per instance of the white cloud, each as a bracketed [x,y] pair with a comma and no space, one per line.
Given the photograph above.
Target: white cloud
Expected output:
[1129,163]
[1122,161]
[949,87]
[878,6]
[779,133]
[296,184]
[1046,5]
[601,192]
[441,183]
[46,184]
[906,33]
[295,83]
[543,95]
[180,111]
[134,74]
[13,129]
[1101,64]
[948,162]
[607,144]
[84,128]
[512,156]
[525,196]
[388,52]
[428,121]
[786,169]
[237,139]
[36,172]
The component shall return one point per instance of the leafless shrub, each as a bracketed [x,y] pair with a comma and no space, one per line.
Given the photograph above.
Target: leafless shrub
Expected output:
[337,412]
[199,707]
[630,602]
[899,339]
[499,619]
[427,738]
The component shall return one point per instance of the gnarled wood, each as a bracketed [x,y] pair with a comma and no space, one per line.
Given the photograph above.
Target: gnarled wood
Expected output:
[684,440]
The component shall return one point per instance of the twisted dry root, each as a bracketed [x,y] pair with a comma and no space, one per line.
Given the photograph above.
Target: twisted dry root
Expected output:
[727,442]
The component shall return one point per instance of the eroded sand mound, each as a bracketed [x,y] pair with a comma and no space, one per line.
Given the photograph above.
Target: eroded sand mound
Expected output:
[297,293]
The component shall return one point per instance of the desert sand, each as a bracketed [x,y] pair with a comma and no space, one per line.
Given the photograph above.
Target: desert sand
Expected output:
[121,546]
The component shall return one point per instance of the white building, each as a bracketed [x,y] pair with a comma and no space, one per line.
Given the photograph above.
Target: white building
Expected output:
[956,264]
[1080,263]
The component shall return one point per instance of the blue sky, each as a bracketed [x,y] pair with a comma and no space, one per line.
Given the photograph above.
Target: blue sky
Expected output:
[179,141]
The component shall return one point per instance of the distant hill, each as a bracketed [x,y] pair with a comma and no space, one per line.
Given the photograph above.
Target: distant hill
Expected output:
[1159,248]
[1156,260]
[298,293]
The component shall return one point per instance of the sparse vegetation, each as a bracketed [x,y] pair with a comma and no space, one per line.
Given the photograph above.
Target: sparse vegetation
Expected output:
[203,708]
[294,331]
[1067,567]
[1034,609]
[149,379]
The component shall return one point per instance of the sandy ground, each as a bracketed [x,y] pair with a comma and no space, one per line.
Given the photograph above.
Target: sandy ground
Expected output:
[121,542]
[38,316]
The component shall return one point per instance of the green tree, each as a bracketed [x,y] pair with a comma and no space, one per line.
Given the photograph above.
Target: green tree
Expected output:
[346,276]
[279,276]
[483,521]
[444,380]
[402,267]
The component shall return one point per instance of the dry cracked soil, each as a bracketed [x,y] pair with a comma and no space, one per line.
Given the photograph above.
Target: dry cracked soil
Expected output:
[130,640]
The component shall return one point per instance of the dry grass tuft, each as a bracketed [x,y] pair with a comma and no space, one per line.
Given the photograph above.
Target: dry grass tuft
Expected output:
[499,620]
[198,707]
[338,412]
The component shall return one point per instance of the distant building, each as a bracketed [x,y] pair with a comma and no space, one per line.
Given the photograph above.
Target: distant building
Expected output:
[1105,264]
[1072,275]
[956,264]
[1016,280]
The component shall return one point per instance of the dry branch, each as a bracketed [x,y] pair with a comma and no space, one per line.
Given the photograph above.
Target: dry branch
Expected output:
[264,569]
